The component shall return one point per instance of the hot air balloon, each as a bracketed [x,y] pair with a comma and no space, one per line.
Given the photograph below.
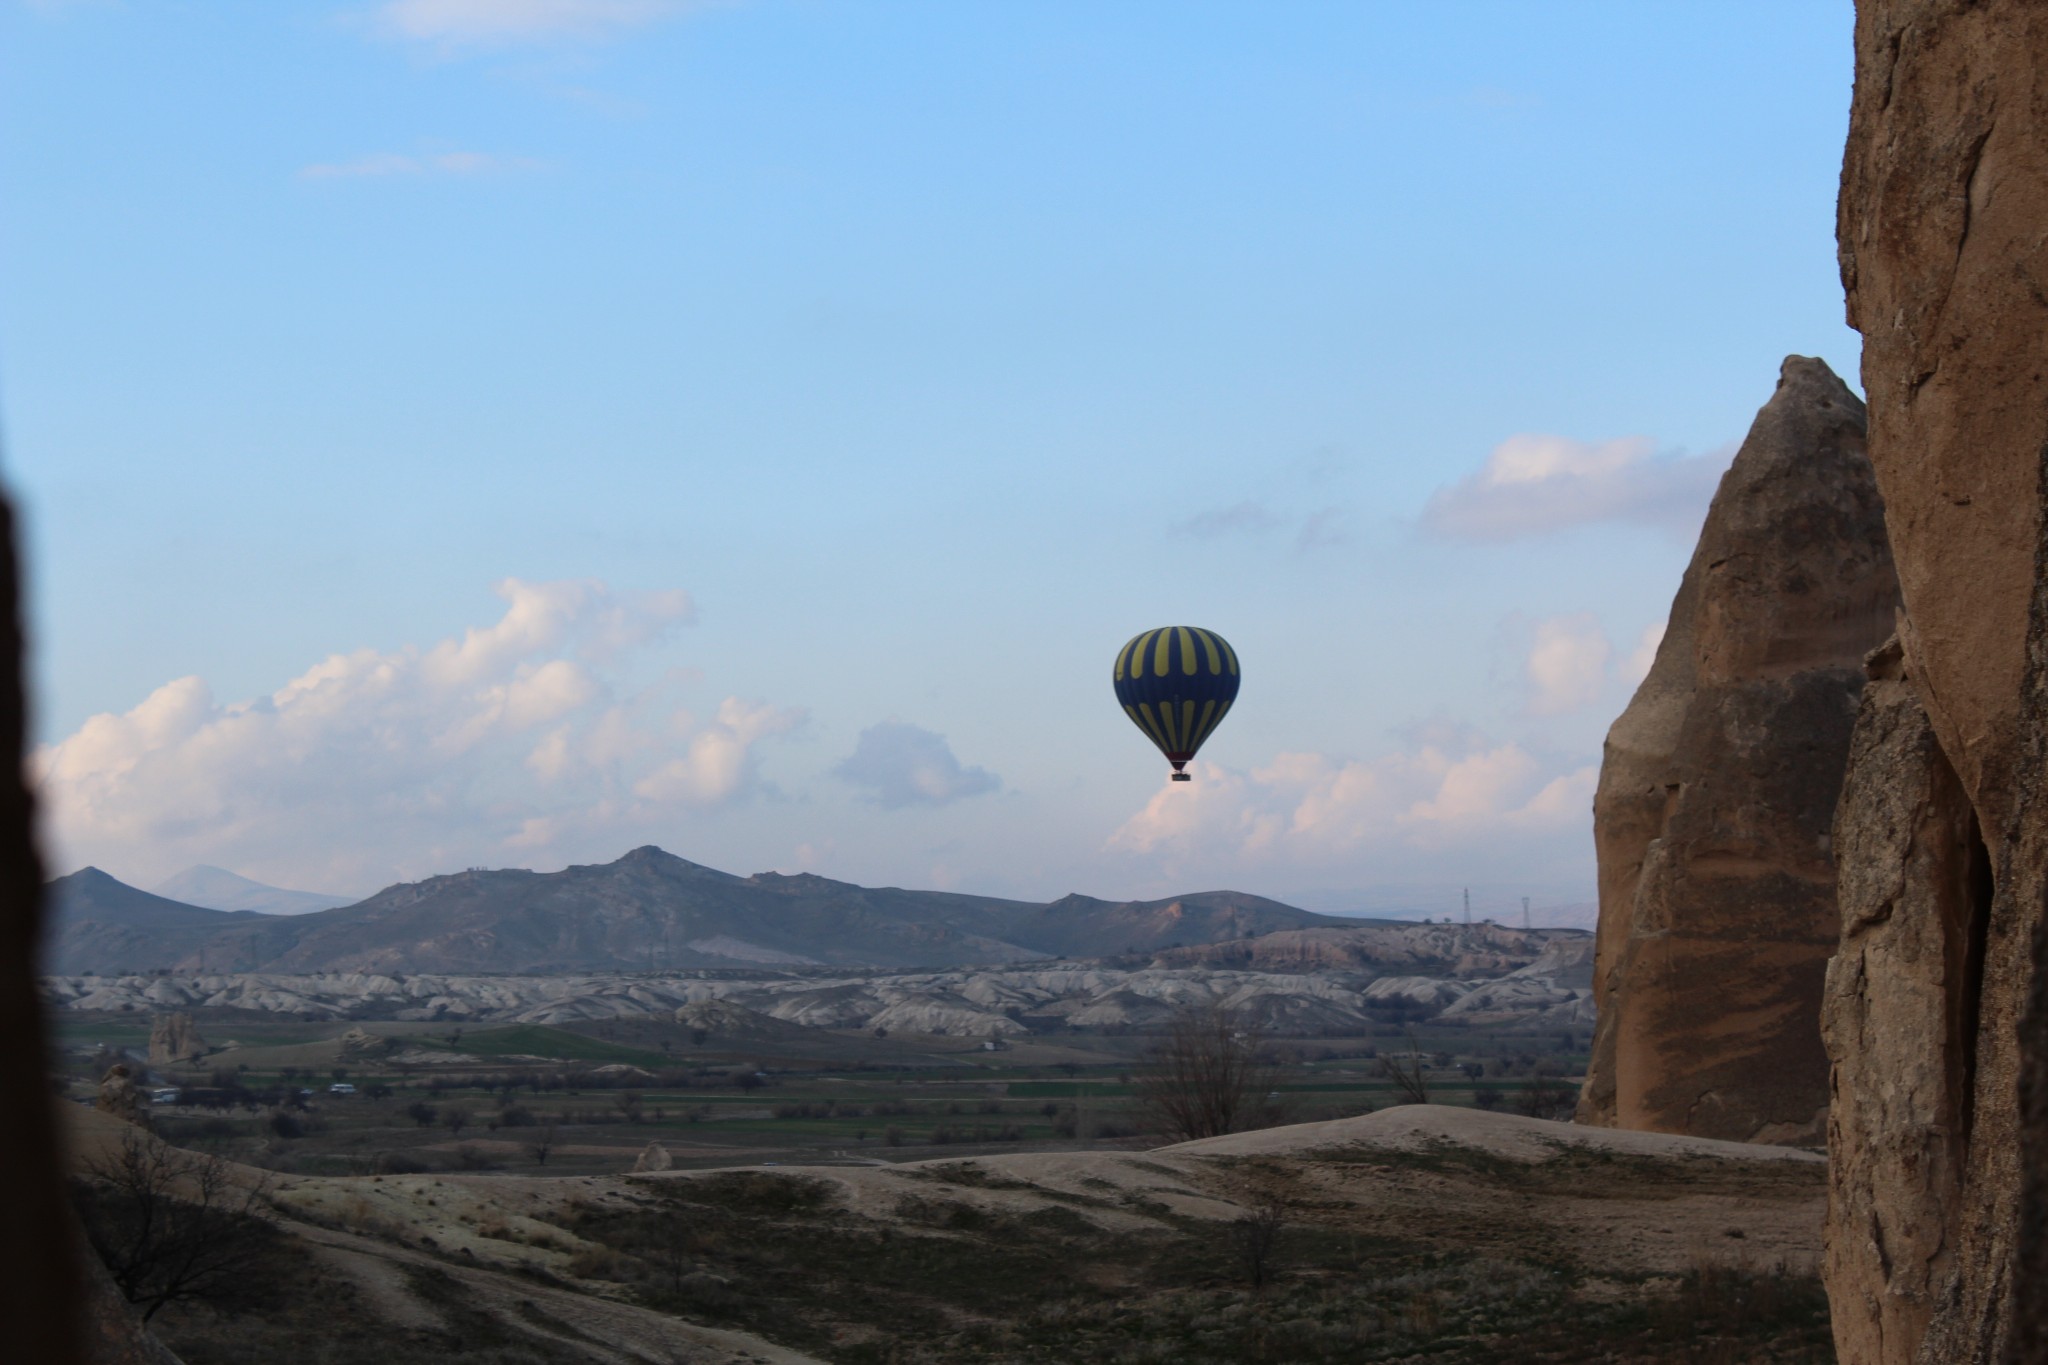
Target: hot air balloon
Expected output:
[1176,684]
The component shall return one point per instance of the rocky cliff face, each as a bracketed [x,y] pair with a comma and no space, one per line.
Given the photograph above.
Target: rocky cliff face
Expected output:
[1718,787]
[1914,880]
[1937,1168]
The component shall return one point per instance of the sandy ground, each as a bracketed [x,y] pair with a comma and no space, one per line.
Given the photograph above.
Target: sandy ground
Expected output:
[1414,1127]
[1618,1203]
[603,1329]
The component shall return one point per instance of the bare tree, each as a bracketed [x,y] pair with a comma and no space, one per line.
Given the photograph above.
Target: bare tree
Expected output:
[173,1225]
[1207,1077]
[1545,1096]
[1408,1072]
[541,1143]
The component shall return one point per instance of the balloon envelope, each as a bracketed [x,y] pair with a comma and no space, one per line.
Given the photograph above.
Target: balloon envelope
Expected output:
[1176,684]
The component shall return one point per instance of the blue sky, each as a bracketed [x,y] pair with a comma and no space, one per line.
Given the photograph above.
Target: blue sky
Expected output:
[502,432]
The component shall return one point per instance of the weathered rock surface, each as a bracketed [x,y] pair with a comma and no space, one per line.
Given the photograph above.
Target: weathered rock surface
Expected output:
[1718,787]
[114,1334]
[1944,189]
[653,1157]
[173,1039]
[1913,889]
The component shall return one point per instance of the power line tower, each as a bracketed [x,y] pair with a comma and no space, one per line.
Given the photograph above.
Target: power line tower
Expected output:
[1468,905]
[1525,913]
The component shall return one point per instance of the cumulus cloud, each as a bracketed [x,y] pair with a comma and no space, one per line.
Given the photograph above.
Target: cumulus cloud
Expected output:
[1567,663]
[1304,808]
[379,763]
[1532,484]
[378,165]
[904,765]
[477,22]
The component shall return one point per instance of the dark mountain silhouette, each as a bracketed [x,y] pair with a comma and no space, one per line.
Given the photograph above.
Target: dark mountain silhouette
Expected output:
[100,923]
[648,910]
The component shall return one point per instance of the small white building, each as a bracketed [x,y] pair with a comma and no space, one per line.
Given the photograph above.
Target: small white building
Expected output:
[169,1094]
[341,1088]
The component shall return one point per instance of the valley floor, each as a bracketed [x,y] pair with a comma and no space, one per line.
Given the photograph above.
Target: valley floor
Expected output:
[1418,1233]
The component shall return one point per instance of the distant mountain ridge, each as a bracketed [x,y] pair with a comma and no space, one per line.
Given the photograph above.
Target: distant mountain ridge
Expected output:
[216,888]
[648,910]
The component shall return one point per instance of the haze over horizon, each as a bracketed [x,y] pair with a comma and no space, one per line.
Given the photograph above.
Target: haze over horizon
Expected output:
[456,435]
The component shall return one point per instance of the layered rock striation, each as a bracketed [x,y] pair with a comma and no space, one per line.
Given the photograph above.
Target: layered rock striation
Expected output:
[1937,1243]
[1913,885]
[1718,786]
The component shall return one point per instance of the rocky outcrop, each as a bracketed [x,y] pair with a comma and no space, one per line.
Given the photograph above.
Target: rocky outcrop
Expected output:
[1913,885]
[653,1157]
[1944,189]
[360,1045]
[173,1039]
[1718,787]
[120,1094]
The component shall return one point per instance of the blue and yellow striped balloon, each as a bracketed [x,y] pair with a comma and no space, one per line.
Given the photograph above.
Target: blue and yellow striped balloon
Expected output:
[1176,684]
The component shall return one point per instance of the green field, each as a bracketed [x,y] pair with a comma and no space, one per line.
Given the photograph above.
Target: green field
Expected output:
[538,1040]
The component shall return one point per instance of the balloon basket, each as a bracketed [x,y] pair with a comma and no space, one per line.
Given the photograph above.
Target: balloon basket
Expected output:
[1182,777]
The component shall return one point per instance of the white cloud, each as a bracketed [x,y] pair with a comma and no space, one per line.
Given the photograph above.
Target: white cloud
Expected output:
[1567,663]
[1307,808]
[376,763]
[478,22]
[378,165]
[1531,484]
[718,764]
[1637,666]
[904,765]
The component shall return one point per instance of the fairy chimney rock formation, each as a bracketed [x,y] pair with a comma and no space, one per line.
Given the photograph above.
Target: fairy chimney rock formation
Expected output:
[1717,791]
[654,1157]
[173,1039]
